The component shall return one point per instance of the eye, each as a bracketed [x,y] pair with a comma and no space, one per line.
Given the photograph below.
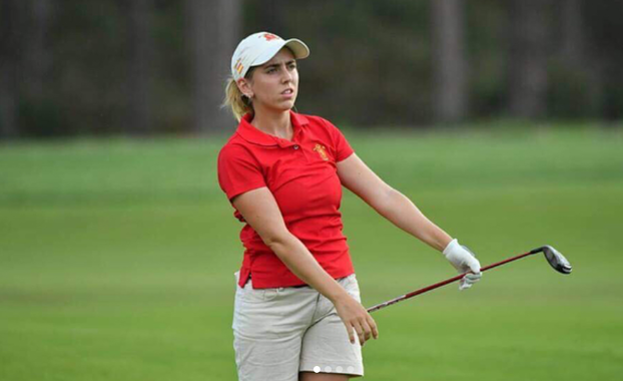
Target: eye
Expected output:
[292,66]
[271,70]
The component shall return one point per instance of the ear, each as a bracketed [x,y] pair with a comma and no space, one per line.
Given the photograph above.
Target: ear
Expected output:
[244,85]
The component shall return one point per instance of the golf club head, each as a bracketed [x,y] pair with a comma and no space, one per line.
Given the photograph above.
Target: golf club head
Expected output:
[557,260]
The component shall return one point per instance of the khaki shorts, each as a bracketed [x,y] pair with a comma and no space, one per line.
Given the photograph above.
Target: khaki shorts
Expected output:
[279,332]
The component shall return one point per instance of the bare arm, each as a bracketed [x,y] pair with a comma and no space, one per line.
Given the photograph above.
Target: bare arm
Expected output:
[260,210]
[390,203]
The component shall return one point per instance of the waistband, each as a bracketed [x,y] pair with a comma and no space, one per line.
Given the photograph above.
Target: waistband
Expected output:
[299,286]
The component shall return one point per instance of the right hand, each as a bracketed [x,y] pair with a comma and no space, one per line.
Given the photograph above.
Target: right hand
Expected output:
[356,318]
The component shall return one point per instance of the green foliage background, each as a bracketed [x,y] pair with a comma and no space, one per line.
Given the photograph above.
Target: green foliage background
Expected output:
[371,63]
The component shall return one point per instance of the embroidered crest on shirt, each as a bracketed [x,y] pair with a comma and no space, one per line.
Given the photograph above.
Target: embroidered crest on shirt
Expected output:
[321,151]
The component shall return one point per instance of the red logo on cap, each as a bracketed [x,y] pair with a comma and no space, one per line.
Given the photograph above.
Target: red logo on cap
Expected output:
[270,36]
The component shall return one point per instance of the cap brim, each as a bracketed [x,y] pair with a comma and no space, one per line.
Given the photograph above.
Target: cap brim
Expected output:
[298,48]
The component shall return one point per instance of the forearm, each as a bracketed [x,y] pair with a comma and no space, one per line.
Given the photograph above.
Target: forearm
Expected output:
[402,212]
[301,262]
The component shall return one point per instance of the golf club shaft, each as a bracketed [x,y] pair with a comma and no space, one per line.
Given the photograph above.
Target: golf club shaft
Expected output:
[448,281]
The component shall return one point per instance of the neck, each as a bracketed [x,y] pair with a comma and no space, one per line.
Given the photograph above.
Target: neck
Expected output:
[274,123]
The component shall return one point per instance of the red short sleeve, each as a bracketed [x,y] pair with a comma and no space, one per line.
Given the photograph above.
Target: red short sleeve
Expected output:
[340,144]
[238,171]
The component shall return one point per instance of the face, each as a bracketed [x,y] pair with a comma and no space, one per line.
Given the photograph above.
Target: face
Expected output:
[273,85]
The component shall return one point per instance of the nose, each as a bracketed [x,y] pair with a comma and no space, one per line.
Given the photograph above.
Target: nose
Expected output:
[287,76]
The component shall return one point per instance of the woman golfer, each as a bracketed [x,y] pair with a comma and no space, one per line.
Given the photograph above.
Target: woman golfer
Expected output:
[297,312]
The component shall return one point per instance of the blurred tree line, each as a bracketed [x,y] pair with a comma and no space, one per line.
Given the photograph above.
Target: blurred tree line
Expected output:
[139,67]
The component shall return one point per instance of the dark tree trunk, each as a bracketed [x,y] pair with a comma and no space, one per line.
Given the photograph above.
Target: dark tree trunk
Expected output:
[449,63]
[270,16]
[575,51]
[140,67]
[26,59]
[214,33]
[38,55]
[528,56]
[10,43]
[573,39]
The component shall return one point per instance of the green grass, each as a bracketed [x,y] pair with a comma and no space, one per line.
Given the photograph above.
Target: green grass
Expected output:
[117,258]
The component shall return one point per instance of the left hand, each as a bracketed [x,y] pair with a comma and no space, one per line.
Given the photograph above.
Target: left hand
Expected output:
[465,262]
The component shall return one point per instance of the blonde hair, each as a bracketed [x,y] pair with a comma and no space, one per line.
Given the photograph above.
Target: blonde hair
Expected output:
[235,100]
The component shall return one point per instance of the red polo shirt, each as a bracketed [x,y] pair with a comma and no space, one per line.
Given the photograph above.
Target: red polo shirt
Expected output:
[302,176]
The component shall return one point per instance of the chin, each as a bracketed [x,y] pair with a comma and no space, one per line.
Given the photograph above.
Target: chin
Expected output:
[285,106]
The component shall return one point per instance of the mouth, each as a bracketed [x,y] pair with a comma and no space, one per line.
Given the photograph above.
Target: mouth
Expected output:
[288,92]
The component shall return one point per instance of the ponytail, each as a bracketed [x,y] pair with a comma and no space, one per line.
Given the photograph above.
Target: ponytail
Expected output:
[237,102]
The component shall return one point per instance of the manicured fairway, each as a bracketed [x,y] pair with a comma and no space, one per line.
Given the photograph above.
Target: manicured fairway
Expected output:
[117,258]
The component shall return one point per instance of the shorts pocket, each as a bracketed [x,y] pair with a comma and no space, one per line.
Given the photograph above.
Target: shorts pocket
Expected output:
[262,295]
[352,287]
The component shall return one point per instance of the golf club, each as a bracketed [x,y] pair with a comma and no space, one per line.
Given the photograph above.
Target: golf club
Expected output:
[553,257]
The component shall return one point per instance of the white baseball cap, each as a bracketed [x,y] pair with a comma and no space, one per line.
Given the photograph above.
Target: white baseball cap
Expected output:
[259,48]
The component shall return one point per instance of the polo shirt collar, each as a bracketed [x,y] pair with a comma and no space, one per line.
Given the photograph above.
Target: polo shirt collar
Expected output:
[253,135]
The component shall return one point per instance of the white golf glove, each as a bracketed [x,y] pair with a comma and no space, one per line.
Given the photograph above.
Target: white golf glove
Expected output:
[463,260]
